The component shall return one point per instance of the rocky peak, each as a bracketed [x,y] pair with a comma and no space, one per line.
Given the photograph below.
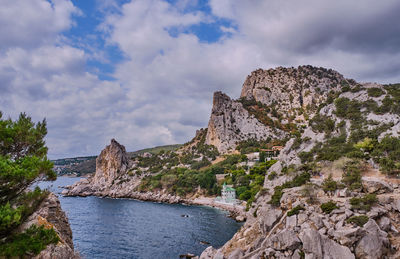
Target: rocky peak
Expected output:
[291,88]
[111,163]
[231,123]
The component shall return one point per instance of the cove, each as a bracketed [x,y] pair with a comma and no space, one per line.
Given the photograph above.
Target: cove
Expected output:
[122,228]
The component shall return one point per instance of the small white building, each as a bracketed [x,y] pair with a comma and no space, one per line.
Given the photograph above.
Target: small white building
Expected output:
[228,195]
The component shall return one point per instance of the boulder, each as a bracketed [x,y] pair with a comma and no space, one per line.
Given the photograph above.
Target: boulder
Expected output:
[374,244]
[285,240]
[317,246]
[376,185]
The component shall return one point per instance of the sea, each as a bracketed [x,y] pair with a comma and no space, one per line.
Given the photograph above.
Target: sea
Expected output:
[124,228]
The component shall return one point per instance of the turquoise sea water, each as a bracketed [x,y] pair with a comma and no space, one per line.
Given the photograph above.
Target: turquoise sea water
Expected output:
[122,228]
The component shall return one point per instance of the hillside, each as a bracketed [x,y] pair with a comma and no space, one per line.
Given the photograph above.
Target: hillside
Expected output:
[333,190]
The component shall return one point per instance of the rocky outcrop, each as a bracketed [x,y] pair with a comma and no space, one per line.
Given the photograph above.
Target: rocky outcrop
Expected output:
[110,164]
[51,215]
[231,123]
[291,88]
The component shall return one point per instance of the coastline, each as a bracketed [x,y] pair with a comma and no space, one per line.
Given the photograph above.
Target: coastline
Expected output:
[237,212]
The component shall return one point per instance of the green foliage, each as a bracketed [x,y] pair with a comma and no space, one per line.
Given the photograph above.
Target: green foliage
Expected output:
[23,158]
[321,123]
[348,109]
[387,153]
[9,218]
[328,207]
[31,242]
[329,184]
[295,211]
[358,220]
[181,181]
[352,175]
[363,203]
[375,92]
[366,145]
[272,175]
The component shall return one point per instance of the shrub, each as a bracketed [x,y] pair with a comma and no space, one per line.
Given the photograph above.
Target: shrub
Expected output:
[32,241]
[309,192]
[328,207]
[363,203]
[358,220]
[272,175]
[352,175]
[295,210]
[375,92]
[329,184]
[295,182]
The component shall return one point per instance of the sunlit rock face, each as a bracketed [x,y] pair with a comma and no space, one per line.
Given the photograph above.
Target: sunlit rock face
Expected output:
[111,163]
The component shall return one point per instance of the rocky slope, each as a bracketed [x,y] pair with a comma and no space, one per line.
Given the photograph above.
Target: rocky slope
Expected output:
[50,215]
[346,147]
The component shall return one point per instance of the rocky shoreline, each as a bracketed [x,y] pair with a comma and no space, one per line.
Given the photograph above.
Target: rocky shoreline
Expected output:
[83,188]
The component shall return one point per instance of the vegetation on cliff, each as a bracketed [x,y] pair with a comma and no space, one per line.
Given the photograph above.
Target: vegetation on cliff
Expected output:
[23,158]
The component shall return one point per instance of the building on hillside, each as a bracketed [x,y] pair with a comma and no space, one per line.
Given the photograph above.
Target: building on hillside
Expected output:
[228,195]
[273,152]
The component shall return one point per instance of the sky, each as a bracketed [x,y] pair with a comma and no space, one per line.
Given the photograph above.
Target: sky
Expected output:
[144,71]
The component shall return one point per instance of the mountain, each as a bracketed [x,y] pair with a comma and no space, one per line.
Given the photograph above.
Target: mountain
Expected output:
[333,190]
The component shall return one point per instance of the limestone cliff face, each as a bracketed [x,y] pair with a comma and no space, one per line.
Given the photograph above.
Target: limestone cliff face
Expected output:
[231,123]
[291,88]
[270,101]
[111,163]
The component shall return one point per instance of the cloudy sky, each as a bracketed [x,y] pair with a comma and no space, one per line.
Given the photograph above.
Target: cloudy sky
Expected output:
[143,71]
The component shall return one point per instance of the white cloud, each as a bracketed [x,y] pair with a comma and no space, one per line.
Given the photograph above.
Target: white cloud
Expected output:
[163,89]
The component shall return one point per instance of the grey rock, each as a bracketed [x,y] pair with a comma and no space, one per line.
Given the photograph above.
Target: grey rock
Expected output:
[236,254]
[291,222]
[208,253]
[319,247]
[385,223]
[376,185]
[374,244]
[285,240]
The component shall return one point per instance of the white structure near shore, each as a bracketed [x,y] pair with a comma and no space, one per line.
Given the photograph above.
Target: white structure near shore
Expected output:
[228,195]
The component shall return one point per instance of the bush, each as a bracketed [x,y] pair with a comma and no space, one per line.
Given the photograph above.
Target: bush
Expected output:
[32,241]
[328,207]
[358,220]
[352,175]
[375,92]
[329,184]
[363,203]
[272,175]
[295,182]
[295,210]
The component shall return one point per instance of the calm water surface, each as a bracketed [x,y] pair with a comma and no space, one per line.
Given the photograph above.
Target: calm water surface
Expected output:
[121,228]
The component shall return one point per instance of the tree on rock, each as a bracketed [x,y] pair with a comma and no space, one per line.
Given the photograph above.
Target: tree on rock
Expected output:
[23,158]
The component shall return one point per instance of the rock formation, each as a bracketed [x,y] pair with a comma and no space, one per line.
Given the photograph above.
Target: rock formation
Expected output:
[110,164]
[231,123]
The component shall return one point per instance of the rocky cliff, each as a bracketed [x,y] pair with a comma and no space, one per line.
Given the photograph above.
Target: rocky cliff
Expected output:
[110,164]
[231,123]
[332,193]
[50,215]
[271,103]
